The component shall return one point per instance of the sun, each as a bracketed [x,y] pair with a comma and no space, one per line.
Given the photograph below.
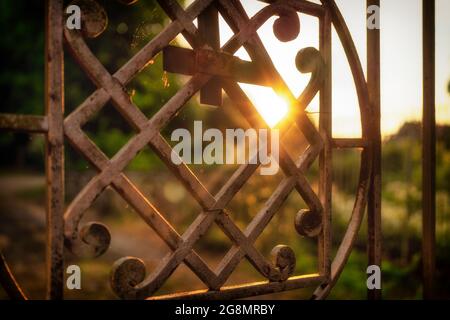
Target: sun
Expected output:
[272,107]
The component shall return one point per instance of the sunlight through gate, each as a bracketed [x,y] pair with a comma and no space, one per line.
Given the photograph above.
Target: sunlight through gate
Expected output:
[212,68]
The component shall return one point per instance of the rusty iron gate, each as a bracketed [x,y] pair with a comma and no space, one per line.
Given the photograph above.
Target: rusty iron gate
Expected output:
[212,68]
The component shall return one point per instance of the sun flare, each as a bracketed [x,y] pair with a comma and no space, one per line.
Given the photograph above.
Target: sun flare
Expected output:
[270,106]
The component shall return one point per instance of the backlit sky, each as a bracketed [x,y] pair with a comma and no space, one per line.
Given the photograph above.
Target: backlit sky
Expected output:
[401,63]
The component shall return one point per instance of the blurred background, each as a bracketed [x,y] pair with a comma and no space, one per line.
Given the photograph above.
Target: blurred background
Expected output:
[22,177]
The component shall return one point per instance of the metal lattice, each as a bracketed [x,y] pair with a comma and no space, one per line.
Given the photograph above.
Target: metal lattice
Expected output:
[212,68]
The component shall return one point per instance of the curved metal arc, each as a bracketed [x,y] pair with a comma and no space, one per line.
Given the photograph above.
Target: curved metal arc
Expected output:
[307,7]
[351,233]
[8,282]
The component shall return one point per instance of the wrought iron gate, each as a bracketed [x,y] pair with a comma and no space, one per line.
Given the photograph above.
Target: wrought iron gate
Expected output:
[212,68]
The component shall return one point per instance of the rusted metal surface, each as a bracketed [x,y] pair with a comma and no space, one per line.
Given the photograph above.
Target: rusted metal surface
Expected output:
[348,143]
[374,200]
[55,149]
[214,63]
[250,290]
[325,158]
[19,122]
[208,28]
[428,150]
[52,126]
[213,69]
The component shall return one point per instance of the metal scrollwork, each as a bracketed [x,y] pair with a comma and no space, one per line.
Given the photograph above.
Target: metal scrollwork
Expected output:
[129,277]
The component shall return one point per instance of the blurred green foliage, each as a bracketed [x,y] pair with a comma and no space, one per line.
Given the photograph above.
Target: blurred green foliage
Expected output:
[401,209]
[22,72]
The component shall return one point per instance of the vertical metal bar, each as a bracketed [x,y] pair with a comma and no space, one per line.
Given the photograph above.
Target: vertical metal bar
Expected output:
[54,148]
[208,26]
[325,158]
[428,149]
[374,199]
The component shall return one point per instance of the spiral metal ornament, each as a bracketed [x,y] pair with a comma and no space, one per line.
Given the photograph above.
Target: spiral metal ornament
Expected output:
[126,273]
[92,240]
[97,236]
[94,18]
[308,223]
[284,259]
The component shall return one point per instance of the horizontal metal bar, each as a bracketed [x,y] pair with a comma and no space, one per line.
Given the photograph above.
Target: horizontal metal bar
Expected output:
[347,143]
[188,62]
[179,60]
[248,290]
[26,123]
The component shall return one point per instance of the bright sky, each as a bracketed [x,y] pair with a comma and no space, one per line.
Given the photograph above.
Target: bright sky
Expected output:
[401,64]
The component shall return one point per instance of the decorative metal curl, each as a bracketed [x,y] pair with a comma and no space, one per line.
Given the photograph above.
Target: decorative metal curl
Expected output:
[309,60]
[284,259]
[308,223]
[94,18]
[93,240]
[126,274]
